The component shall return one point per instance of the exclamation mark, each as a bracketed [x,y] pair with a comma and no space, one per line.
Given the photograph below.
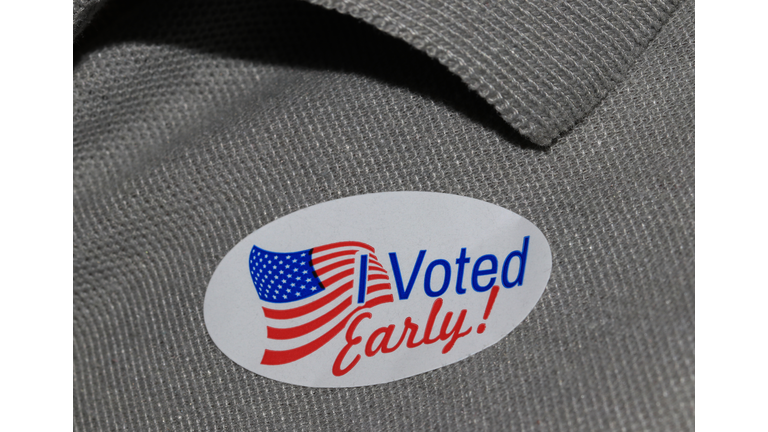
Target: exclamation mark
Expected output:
[488,307]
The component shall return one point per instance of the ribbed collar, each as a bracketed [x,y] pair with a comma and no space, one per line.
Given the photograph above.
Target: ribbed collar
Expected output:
[544,65]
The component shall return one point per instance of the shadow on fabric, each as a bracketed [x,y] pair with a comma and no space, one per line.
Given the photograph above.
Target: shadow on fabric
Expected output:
[289,33]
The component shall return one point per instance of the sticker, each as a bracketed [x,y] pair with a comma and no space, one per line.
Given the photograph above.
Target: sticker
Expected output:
[375,288]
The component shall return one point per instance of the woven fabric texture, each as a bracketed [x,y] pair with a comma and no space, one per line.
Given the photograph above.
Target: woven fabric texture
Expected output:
[197,122]
[83,12]
[543,64]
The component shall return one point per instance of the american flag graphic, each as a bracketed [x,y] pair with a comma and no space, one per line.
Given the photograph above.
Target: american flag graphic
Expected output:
[311,295]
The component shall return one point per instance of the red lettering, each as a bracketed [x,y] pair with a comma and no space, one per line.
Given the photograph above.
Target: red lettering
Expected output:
[384,346]
[352,340]
[455,333]
[431,321]
[444,329]
[380,339]
[386,333]
[413,329]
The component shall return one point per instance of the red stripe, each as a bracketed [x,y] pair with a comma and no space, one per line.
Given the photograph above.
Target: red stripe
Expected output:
[378,287]
[294,332]
[335,278]
[378,266]
[272,357]
[379,300]
[378,277]
[316,261]
[334,266]
[341,244]
[309,307]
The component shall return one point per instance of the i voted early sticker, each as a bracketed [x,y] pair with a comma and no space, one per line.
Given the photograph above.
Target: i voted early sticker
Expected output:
[375,288]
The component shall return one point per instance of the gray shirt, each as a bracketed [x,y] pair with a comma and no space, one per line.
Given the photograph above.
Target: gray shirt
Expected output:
[196,123]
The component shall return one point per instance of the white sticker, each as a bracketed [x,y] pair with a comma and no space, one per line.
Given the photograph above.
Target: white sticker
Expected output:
[375,288]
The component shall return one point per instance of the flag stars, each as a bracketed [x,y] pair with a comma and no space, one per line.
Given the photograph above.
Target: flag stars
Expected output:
[275,283]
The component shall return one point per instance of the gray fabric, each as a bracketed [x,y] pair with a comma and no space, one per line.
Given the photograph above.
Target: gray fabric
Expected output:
[543,64]
[198,122]
[83,12]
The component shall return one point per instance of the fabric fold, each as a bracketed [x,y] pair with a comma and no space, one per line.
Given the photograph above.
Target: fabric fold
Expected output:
[197,122]
[543,65]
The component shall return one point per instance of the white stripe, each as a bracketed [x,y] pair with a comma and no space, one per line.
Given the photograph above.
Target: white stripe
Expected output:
[302,340]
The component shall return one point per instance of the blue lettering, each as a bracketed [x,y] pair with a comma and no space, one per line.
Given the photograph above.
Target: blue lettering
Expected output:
[404,293]
[477,273]
[521,272]
[363,278]
[428,278]
[461,262]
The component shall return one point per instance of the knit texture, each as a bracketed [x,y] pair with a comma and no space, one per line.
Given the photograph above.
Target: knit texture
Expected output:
[83,12]
[196,123]
[542,64]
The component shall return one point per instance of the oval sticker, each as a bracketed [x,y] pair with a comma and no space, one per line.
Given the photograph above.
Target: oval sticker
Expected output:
[374,288]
